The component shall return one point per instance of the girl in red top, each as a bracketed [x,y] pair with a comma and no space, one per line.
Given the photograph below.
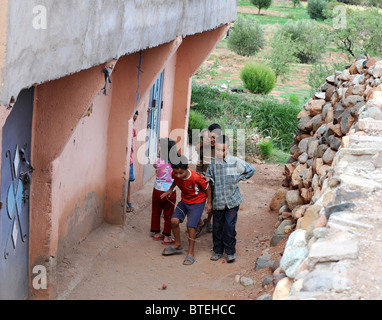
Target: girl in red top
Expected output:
[195,192]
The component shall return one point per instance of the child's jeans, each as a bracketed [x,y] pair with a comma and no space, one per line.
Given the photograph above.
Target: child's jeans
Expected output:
[159,205]
[224,230]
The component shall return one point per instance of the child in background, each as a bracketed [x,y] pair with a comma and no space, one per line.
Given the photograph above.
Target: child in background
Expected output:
[195,191]
[201,167]
[129,205]
[206,152]
[162,184]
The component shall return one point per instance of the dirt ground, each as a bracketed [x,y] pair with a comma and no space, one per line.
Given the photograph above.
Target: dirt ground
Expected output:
[127,264]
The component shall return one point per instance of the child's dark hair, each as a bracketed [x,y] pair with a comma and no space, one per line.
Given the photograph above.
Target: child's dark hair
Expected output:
[223,139]
[215,128]
[180,163]
[201,133]
[168,149]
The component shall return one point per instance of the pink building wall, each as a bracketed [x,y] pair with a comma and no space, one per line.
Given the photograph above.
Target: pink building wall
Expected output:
[79,176]
[81,163]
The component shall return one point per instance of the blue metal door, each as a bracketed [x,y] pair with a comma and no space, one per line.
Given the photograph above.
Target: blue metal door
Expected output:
[153,126]
[14,206]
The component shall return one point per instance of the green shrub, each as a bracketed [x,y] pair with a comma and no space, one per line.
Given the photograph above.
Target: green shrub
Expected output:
[266,147]
[316,9]
[258,79]
[294,99]
[247,36]
[277,120]
[195,121]
[309,38]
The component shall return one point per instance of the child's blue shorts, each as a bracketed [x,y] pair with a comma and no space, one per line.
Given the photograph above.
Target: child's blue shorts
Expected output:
[192,211]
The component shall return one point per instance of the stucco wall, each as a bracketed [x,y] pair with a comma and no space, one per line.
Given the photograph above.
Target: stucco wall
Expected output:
[79,176]
[82,34]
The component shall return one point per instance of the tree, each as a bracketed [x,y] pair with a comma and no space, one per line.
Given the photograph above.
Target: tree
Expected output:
[362,34]
[282,54]
[316,9]
[261,4]
[247,37]
[308,37]
[296,3]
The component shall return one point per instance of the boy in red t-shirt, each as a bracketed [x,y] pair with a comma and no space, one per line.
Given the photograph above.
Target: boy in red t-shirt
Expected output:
[195,191]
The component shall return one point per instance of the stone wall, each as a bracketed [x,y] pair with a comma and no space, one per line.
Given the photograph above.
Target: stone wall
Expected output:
[335,164]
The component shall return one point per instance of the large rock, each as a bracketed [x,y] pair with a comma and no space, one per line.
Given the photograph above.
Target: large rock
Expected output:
[278,199]
[305,124]
[324,280]
[263,261]
[296,178]
[346,121]
[293,199]
[292,259]
[312,213]
[281,228]
[312,148]
[315,106]
[282,289]
[328,156]
[352,100]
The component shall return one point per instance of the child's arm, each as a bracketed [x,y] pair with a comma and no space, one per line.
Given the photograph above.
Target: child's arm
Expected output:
[169,192]
[246,170]
[209,177]
[209,199]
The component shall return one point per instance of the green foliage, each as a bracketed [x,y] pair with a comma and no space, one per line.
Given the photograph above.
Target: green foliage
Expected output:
[266,147]
[247,36]
[196,121]
[319,72]
[258,79]
[261,4]
[373,3]
[293,99]
[309,38]
[296,3]
[277,120]
[282,54]
[316,9]
[352,2]
[361,34]
[262,114]
[211,70]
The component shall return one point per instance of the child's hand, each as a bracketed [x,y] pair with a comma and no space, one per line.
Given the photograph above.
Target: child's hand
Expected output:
[166,194]
[205,178]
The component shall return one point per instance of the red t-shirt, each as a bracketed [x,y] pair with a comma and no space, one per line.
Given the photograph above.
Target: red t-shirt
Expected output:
[193,188]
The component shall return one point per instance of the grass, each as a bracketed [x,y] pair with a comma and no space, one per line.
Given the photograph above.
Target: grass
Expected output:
[253,113]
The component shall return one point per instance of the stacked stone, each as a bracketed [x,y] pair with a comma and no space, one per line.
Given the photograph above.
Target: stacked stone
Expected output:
[323,123]
[335,165]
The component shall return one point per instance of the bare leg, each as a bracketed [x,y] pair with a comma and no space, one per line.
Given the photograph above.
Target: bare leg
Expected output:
[176,231]
[191,241]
